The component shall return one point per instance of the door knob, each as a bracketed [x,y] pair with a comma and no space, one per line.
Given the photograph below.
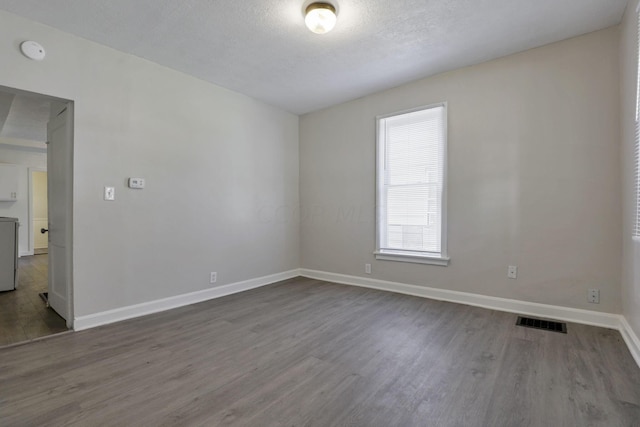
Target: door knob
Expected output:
[43,230]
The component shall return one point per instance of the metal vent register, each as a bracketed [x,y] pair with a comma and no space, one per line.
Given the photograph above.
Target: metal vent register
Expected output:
[547,325]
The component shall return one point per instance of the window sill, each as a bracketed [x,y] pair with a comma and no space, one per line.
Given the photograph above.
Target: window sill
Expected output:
[416,259]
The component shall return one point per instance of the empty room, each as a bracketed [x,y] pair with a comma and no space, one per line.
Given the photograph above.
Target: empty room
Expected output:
[319,213]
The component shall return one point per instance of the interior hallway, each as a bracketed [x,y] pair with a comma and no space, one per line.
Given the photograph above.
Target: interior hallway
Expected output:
[23,314]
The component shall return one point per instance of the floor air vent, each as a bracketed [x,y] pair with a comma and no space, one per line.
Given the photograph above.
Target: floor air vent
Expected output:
[547,325]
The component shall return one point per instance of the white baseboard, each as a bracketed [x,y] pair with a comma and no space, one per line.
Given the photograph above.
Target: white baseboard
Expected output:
[567,314]
[587,317]
[630,338]
[111,316]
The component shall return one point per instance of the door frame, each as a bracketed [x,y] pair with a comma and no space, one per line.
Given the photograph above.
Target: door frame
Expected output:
[31,231]
[70,104]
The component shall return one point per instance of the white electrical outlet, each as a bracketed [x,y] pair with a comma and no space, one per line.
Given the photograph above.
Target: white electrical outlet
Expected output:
[214,277]
[512,272]
[109,193]
[593,296]
[367,268]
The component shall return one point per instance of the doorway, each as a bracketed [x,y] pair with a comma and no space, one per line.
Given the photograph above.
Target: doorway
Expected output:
[38,211]
[36,136]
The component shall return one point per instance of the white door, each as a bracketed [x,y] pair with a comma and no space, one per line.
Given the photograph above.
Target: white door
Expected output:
[39,211]
[60,175]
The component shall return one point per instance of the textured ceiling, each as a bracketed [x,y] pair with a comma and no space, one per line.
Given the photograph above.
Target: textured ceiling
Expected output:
[261,47]
[23,117]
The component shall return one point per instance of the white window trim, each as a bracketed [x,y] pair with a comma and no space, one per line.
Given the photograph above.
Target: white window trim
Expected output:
[416,259]
[441,259]
[636,224]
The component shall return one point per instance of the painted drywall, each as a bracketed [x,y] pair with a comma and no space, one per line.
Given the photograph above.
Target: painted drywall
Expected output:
[40,213]
[631,248]
[24,157]
[220,168]
[533,177]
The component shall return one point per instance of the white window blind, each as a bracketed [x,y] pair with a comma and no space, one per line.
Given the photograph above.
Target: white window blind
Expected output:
[636,228]
[411,174]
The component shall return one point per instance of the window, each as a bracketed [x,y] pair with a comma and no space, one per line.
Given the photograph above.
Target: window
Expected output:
[411,186]
[636,228]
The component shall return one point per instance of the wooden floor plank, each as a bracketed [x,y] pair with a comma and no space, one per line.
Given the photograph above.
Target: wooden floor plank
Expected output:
[310,353]
[23,314]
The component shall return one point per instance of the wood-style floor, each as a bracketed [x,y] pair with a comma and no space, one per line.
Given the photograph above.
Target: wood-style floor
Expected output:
[23,314]
[309,353]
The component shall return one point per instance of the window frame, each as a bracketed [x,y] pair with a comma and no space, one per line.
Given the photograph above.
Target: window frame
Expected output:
[441,259]
[635,235]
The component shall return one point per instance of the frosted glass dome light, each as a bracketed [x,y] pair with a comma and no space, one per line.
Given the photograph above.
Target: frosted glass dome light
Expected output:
[320,17]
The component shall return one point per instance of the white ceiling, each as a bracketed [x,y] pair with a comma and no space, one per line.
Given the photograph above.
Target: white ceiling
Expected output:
[261,47]
[24,117]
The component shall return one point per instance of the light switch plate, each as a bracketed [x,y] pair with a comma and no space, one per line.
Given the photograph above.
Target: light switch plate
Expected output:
[109,193]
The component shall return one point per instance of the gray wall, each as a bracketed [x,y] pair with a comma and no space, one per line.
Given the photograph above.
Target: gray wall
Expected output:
[631,258]
[534,177]
[534,180]
[217,164]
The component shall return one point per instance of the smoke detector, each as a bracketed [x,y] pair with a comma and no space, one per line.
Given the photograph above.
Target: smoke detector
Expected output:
[32,50]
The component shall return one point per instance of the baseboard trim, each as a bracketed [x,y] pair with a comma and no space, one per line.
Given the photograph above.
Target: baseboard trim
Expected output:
[630,338]
[567,314]
[116,315]
[587,317]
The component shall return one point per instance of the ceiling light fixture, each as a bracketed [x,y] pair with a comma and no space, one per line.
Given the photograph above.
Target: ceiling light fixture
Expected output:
[320,17]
